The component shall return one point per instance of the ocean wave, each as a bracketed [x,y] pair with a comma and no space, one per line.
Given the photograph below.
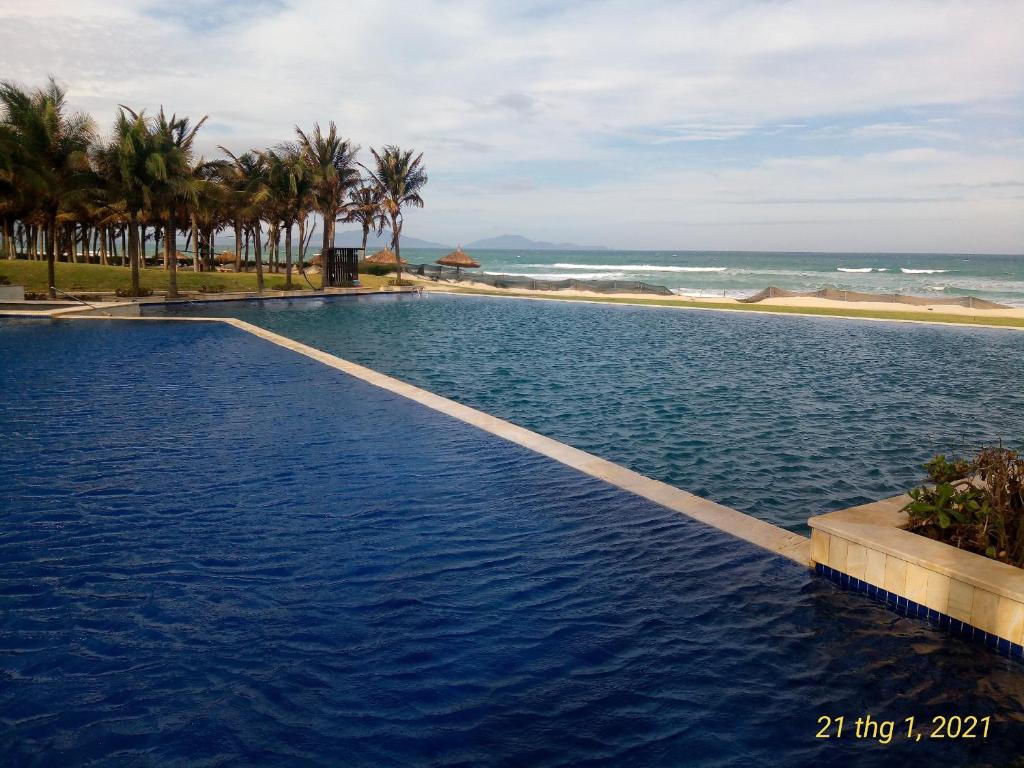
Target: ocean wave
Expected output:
[634,267]
[906,271]
[562,275]
[854,269]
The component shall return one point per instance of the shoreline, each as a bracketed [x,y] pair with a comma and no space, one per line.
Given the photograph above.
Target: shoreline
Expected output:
[939,314]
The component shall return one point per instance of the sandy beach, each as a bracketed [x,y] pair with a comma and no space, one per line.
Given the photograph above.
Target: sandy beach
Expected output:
[911,311]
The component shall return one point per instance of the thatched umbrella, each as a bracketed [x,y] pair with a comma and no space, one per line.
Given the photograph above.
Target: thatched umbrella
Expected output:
[317,261]
[385,256]
[225,257]
[458,259]
[182,256]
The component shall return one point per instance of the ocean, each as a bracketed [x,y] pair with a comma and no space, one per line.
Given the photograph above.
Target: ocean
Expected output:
[998,278]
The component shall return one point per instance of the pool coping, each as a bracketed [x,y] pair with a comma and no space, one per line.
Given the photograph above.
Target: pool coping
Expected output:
[742,526]
[866,548]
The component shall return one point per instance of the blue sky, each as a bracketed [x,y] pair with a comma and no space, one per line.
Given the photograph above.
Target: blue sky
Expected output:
[776,125]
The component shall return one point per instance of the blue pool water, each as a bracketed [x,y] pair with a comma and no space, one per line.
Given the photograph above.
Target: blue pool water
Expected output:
[780,417]
[214,551]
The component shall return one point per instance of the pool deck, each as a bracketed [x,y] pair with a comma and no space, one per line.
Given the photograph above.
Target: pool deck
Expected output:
[742,526]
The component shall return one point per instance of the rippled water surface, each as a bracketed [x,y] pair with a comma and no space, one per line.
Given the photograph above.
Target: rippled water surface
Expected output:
[216,552]
[780,417]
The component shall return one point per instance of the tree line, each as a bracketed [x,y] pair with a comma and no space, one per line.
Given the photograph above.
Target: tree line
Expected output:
[68,193]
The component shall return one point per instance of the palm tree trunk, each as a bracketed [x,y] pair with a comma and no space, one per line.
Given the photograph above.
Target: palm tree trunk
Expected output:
[8,240]
[288,257]
[69,236]
[171,257]
[238,247]
[326,240]
[195,245]
[133,252]
[396,230]
[259,259]
[51,256]
[102,232]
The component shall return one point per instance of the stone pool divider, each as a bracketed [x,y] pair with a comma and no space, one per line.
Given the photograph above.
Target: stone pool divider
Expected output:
[866,549]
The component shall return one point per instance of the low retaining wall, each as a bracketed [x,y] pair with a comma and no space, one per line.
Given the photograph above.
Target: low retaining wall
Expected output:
[866,549]
[12,292]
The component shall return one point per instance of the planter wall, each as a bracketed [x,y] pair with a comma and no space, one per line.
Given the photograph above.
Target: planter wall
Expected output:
[866,549]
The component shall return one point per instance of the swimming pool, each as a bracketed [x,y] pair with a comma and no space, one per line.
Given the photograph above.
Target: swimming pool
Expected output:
[215,551]
[779,417]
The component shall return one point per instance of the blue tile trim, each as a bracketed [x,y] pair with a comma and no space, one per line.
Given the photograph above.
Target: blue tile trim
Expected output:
[909,608]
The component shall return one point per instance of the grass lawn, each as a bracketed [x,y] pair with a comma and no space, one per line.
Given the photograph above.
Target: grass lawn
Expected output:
[95,278]
[932,317]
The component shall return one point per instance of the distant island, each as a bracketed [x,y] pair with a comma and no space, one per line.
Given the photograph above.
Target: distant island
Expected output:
[518,242]
[354,237]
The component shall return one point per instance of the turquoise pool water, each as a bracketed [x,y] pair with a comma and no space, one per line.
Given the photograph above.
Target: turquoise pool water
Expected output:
[780,417]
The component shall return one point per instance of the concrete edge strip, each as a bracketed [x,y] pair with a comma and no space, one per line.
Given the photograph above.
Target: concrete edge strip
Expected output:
[742,526]
[827,316]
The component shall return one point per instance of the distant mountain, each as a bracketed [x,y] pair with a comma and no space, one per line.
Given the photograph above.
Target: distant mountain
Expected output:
[518,242]
[354,237]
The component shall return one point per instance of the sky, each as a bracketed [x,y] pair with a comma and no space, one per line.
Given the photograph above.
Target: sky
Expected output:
[773,125]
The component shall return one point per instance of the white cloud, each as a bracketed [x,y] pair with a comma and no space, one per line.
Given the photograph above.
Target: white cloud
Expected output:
[569,97]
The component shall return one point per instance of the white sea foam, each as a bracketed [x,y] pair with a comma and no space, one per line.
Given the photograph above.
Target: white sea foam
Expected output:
[634,267]
[906,271]
[563,275]
[854,269]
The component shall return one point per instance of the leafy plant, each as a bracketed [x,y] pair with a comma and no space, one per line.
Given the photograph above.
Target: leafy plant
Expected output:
[943,470]
[376,269]
[125,293]
[974,504]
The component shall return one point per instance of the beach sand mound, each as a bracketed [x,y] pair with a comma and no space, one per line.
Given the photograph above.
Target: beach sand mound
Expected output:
[835,294]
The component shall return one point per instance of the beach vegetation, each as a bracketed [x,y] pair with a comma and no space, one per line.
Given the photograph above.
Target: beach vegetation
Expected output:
[399,177]
[69,195]
[974,503]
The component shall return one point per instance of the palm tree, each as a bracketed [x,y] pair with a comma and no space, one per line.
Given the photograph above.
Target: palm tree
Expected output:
[331,163]
[52,164]
[364,208]
[132,167]
[206,213]
[247,174]
[173,178]
[399,177]
[289,183]
[11,206]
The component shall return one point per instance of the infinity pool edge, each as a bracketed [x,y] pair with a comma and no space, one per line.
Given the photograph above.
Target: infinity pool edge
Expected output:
[778,540]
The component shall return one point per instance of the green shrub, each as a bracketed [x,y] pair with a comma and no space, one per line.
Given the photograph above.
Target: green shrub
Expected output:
[975,504]
[206,288]
[943,470]
[127,293]
[396,281]
[4,280]
[376,269]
